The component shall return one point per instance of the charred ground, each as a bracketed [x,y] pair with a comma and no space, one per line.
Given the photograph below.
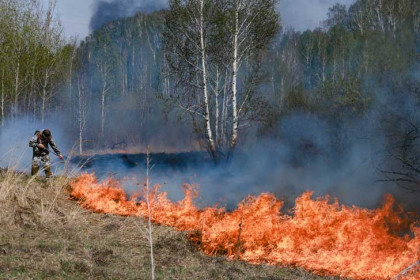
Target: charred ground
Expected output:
[252,171]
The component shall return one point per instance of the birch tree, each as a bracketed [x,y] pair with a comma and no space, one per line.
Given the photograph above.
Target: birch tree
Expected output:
[252,25]
[207,43]
[187,37]
[103,62]
[52,44]
[31,44]
[81,110]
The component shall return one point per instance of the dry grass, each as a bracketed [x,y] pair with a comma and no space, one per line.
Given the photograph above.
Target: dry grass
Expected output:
[44,235]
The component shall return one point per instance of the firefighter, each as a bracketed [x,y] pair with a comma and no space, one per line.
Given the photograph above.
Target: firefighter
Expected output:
[39,142]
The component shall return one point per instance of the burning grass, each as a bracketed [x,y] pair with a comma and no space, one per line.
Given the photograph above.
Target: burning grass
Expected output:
[325,237]
[44,235]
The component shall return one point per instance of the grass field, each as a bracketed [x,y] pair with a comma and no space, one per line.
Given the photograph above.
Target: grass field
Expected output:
[44,235]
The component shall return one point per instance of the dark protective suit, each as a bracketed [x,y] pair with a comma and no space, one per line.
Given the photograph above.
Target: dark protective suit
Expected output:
[40,155]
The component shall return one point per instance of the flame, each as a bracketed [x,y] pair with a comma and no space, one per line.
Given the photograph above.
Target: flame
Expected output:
[322,236]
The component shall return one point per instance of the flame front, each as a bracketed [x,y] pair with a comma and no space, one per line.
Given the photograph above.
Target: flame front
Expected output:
[324,237]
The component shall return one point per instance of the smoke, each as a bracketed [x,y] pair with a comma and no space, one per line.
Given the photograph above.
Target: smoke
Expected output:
[107,11]
[343,159]
[306,14]
[299,14]
[77,15]
[304,159]
[15,135]
[308,153]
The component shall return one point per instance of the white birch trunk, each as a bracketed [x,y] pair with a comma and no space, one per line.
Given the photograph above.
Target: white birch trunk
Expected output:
[103,112]
[16,90]
[44,95]
[32,93]
[234,83]
[216,93]
[210,139]
[378,10]
[70,77]
[80,116]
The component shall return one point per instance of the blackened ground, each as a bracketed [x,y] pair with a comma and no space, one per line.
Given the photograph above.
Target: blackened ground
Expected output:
[275,170]
[121,164]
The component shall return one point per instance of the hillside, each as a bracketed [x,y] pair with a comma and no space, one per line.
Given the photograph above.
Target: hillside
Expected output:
[44,235]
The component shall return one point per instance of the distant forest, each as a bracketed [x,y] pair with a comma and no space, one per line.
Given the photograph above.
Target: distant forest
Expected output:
[225,69]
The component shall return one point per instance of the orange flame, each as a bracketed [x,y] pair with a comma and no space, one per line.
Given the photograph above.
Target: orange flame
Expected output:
[327,238]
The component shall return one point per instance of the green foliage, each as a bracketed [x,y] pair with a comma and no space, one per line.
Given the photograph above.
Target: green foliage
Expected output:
[374,40]
[32,58]
[342,96]
[361,65]
[296,100]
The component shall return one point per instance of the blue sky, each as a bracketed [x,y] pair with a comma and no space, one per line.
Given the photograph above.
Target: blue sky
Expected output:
[300,14]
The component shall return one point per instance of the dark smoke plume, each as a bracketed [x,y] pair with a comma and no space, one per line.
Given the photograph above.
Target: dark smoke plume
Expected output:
[106,11]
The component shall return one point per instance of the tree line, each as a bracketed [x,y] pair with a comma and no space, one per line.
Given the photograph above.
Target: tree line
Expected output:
[223,67]
[34,59]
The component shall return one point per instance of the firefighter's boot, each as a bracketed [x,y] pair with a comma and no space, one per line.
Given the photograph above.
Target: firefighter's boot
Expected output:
[48,173]
[34,169]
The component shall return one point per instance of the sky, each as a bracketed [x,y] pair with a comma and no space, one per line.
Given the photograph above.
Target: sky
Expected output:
[300,14]
[306,14]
